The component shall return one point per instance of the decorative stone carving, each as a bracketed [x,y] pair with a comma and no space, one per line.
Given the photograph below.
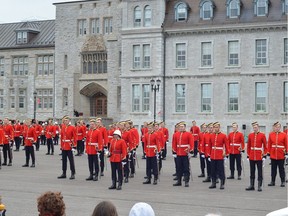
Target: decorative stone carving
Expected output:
[94,43]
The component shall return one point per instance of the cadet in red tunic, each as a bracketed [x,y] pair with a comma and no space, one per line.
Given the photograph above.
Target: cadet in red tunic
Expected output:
[206,150]
[8,142]
[50,134]
[166,138]
[195,130]
[68,141]
[182,145]
[94,145]
[117,153]
[219,149]
[18,131]
[80,134]
[236,143]
[144,130]
[201,149]
[176,130]
[30,137]
[277,150]
[256,153]
[133,145]
[152,148]
[103,130]
[161,139]
[38,129]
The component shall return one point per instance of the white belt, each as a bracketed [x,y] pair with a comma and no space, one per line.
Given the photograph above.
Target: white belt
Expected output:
[151,146]
[66,140]
[30,138]
[255,148]
[79,134]
[206,144]
[183,146]
[218,148]
[277,146]
[17,131]
[235,144]
[195,134]
[93,144]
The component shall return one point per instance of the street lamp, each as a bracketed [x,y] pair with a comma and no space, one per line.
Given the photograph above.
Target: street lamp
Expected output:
[35,95]
[155,87]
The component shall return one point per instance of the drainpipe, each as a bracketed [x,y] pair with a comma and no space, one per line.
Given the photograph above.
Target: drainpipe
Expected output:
[164,75]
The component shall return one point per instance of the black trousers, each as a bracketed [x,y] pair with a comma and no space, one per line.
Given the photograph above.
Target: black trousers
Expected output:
[183,167]
[29,150]
[280,164]
[126,167]
[253,165]
[68,154]
[232,159]
[56,139]
[164,153]
[50,145]
[132,162]
[43,140]
[38,143]
[217,170]
[17,141]
[79,146]
[102,161]
[175,161]
[202,164]
[151,167]
[93,164]
[195,148]
[143,149]
[116,167]
[208,164]
[7,151]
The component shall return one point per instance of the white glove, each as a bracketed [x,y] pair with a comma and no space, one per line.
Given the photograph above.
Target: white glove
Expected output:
[209,159]
[123,163]
[286,156]
[73,150]
[263,160]
[189,155]
[134,151]
[174,155]
[202,155]
[106,152]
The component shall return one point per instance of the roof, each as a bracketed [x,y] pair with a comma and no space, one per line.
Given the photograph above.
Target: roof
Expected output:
[44,34]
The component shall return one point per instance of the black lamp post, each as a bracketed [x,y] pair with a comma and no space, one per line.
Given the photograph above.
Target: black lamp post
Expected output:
[155,87]
[35,95]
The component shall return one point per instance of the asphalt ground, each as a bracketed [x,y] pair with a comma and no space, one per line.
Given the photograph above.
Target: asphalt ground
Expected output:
[20,187]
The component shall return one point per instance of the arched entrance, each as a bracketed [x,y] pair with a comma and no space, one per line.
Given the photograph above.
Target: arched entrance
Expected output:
[98,99]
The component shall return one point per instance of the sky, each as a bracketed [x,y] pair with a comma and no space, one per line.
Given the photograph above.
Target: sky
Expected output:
[25,10]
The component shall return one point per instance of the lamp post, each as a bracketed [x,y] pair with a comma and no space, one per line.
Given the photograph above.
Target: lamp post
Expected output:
[155,87]
[35,95]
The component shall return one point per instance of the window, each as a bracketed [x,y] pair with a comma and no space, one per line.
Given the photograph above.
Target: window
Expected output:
[285,101]
[45,65]
[206,57]
[147,16]
[82,27]
[261,52]
[108,25]
[233,53]
[261,97]
[285,6]
[233,97]
[137,16]
[20,66]
[22,98]
[44,98]
[146,56]
[95,26]
[206,97]
[141,56]
[136,57]
[233,8]
[206,9]
[22,37]
[261,7]
[12,98]
[1,98]
[94,63]
[2,66]
[285,51]
[181,55]
[181,11]
[140,99]
[65,97]
[180,98]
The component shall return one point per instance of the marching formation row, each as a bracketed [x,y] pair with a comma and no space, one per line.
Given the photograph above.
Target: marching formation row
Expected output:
[121,141]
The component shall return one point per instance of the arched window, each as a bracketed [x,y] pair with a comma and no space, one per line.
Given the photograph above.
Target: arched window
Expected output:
[137,16]
[206,9]
[147,16]
[233,8]
[181,11]
[285,6]
[261,7]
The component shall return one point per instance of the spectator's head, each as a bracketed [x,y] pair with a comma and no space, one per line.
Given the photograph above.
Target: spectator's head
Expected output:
[105,208]
[51,203]
[141,209]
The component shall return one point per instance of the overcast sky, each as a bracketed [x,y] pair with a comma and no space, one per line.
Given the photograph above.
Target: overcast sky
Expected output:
[23,10]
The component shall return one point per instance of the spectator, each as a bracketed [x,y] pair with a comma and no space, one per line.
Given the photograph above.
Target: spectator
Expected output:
[105,208]
[141,209]
[51,203]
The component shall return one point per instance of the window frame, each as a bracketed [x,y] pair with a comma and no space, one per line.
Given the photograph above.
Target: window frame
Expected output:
[95,26]
[2,66]
[137,17]
[176,11]
[284,7]
[285,62]
[230,96]
[257,98]
[202,98]
[1,99]
[141,106]
[229,8]
[44,100]
[211,55]
[181,64]
[24,65]
[285,97]
[202,9]
[181,97]
[82,27]
[256,7]
[233,53]
[261,52]
[147,20]
[107,25]
[94,63]
[139,61]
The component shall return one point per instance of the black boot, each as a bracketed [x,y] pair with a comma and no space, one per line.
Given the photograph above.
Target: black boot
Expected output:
[155,181]
[186,179]
[282,184]
[239,175]
[231,176]
[90,178]
[251,187]
[113,186]
[126,180]
[271,183]
[148,181]
[222,184]
[119,186]
[179,182]
[260,185]
[72,176]
[202,175]
[208,179]
[95,178]
[25,165]
[62,176]
[213,185]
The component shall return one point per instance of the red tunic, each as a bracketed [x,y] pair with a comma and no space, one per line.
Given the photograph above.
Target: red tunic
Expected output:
[38,129]
[161,138]
[50,131]
[277,145]
[219,146]
[201,146]
[166,133]
[30,136]
[94,142]
[206,143]
[110,135]
[127,138]
[2,136]
[8,133]
[68,137]
[183,143]
[80,133]
[151,144]
[195,130]
[118,150]
[18,130]
[256,146]
[134,138]
[104,135]
[236,141]
[144,130]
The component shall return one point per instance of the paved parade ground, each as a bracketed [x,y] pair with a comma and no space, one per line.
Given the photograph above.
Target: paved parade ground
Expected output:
[20,187]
